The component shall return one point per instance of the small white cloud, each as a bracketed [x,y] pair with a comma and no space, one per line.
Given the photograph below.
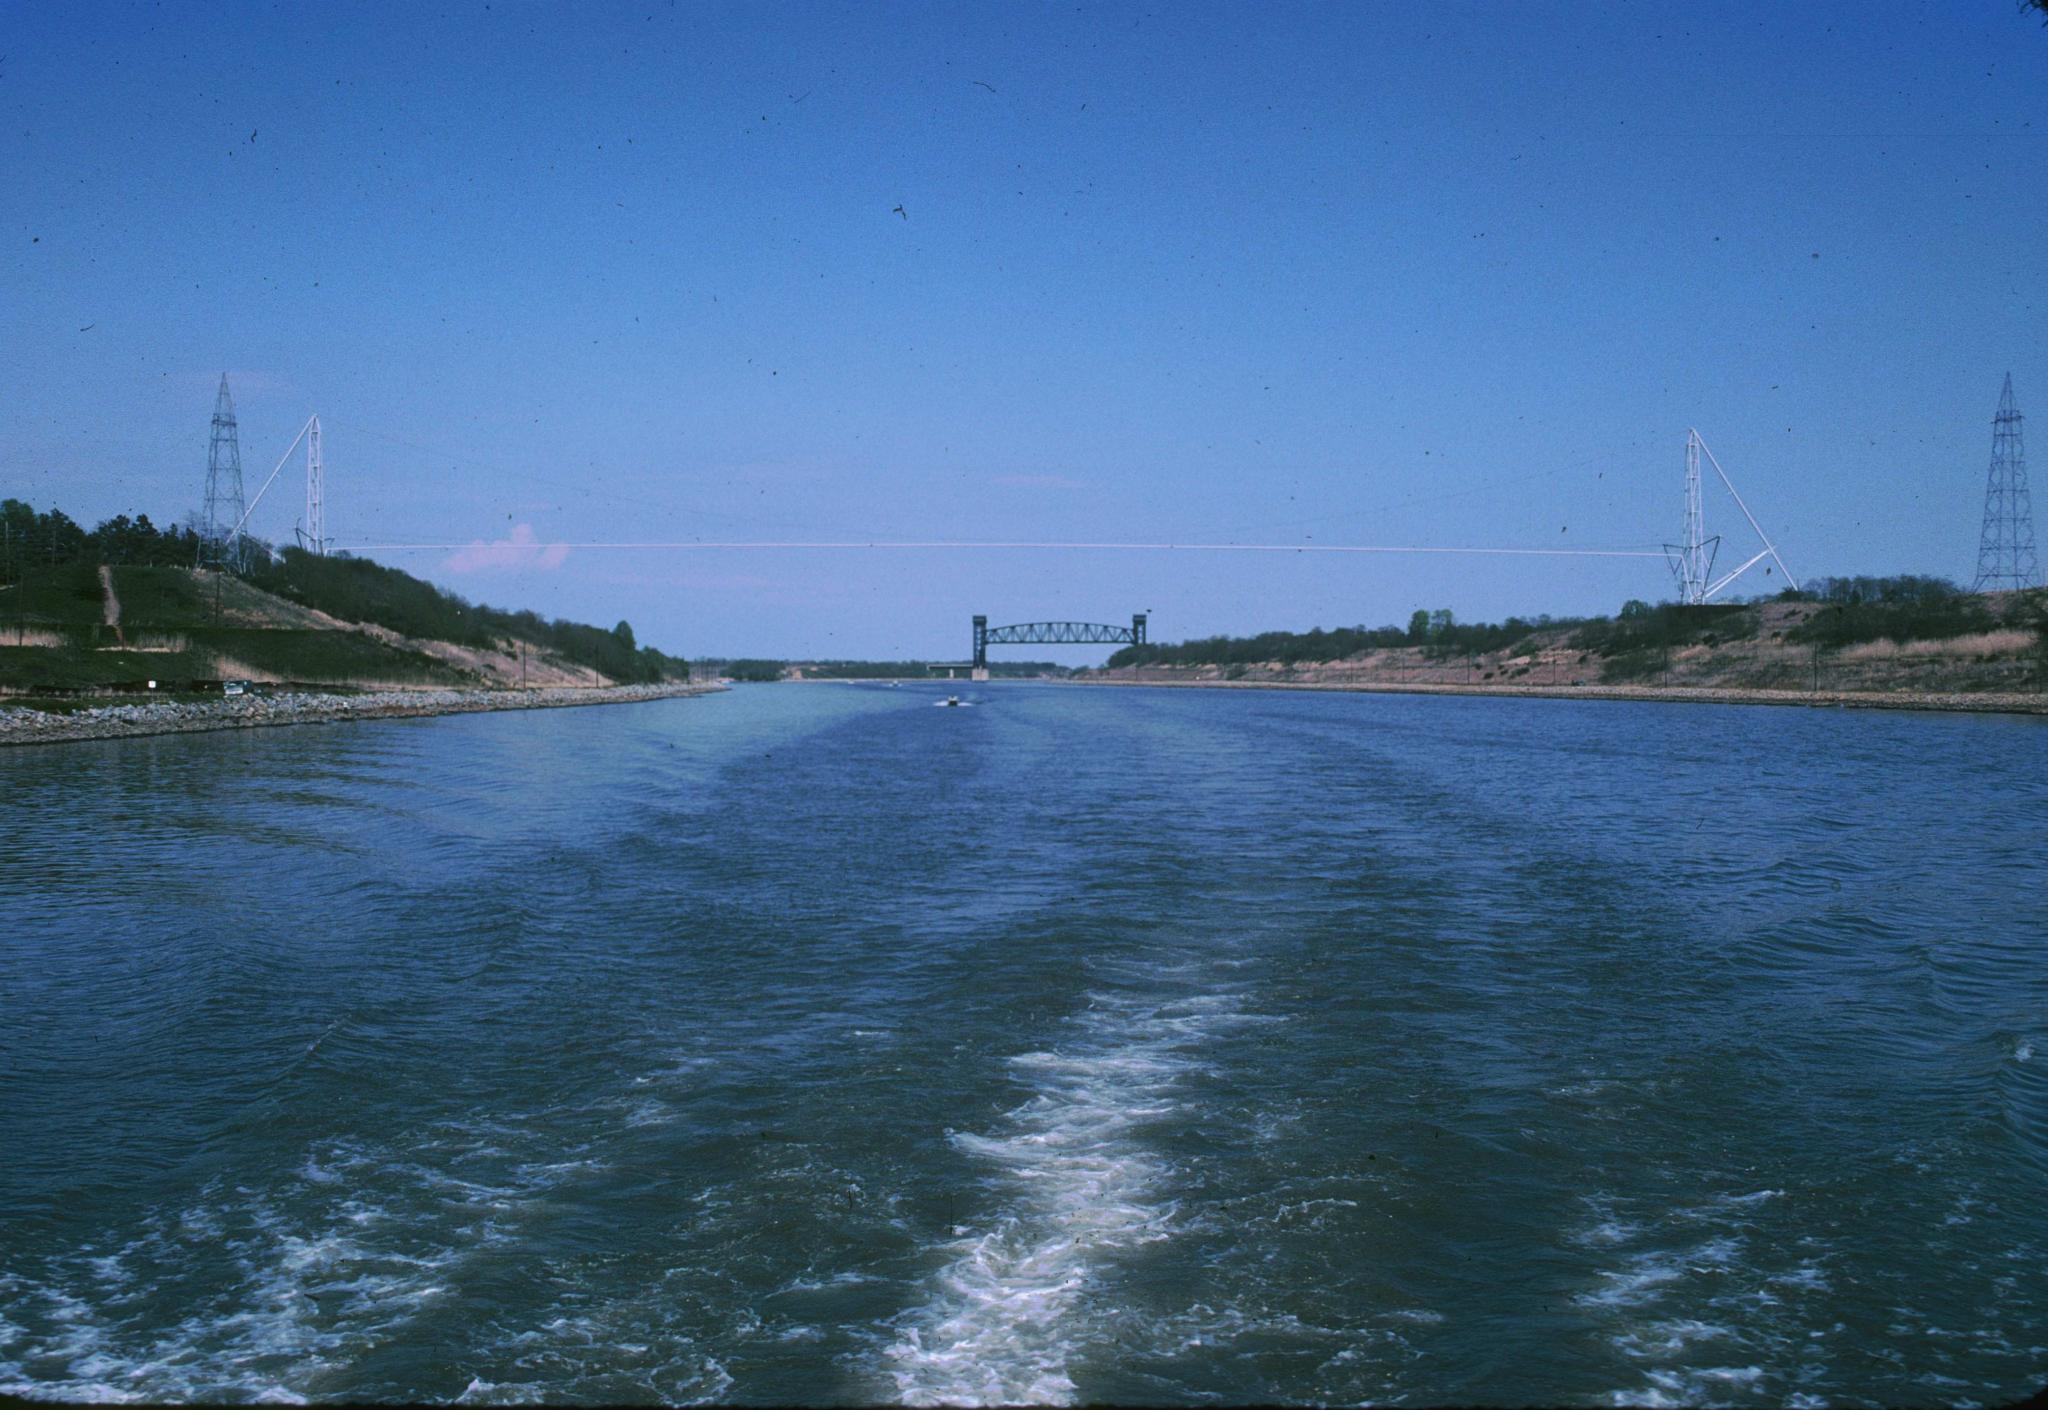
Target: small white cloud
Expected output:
[518,551]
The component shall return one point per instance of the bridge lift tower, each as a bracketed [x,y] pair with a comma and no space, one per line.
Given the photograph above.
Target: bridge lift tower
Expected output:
[1051,634]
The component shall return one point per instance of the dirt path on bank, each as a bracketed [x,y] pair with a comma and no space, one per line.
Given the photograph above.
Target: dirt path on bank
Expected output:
[110,603]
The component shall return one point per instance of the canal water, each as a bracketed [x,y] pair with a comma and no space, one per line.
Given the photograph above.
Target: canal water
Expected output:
[810,1043]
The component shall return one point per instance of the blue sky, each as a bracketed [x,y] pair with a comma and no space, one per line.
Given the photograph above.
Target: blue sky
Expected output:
[1455,275]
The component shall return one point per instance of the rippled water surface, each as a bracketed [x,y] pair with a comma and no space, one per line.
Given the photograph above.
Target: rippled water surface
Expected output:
[809,1043]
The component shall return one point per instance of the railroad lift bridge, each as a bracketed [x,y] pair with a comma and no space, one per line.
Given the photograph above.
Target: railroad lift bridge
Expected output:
[1048,634]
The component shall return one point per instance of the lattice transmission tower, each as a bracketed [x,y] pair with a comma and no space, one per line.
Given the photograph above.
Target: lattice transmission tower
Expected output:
[2005,550]
[1692,561]
[313,533]
[219,540]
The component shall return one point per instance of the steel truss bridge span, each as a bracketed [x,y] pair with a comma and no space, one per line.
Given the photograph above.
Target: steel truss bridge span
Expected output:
[1054,634]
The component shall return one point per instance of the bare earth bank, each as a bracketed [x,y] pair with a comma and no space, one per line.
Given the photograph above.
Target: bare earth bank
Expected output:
[23,726]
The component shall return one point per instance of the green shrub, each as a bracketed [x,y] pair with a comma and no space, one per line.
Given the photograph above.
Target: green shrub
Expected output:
[1929,619]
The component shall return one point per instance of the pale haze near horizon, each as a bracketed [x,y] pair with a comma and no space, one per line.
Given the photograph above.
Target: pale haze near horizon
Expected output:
[1456,276]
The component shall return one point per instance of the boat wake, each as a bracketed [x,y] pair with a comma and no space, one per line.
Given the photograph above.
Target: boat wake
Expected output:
[1017,1304]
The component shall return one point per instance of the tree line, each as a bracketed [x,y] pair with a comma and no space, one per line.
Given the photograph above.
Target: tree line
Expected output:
[31,540]
[1908,607]
[1438,634]
[761,669]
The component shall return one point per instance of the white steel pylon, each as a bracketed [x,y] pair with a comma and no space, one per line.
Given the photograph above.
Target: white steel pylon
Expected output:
[314,535]
[312,428]
[1692,558]
[1692,562]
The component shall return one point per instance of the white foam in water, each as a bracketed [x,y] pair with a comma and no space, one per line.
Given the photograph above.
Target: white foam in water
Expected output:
[1080,1183]
[1690,1314]
[1637,1284]
[1754,1197]
[1806,1275]
[650,1113]
[1647,1275]
[297,1293]
[1607,1228]
[1669,1338]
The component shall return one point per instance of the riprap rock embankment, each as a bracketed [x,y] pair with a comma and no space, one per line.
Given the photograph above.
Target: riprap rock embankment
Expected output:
[19,725]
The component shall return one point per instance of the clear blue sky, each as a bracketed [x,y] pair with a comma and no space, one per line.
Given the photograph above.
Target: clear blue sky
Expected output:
[1450,275]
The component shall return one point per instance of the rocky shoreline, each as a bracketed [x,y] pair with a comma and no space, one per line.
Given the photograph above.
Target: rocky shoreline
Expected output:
[25,726]
[2001,703]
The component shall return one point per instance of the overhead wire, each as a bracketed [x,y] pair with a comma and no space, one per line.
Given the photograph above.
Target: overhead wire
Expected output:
[685,545]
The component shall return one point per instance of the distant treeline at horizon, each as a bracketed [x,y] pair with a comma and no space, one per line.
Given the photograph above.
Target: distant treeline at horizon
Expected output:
[345,587]
[772,669]
[1858,609]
